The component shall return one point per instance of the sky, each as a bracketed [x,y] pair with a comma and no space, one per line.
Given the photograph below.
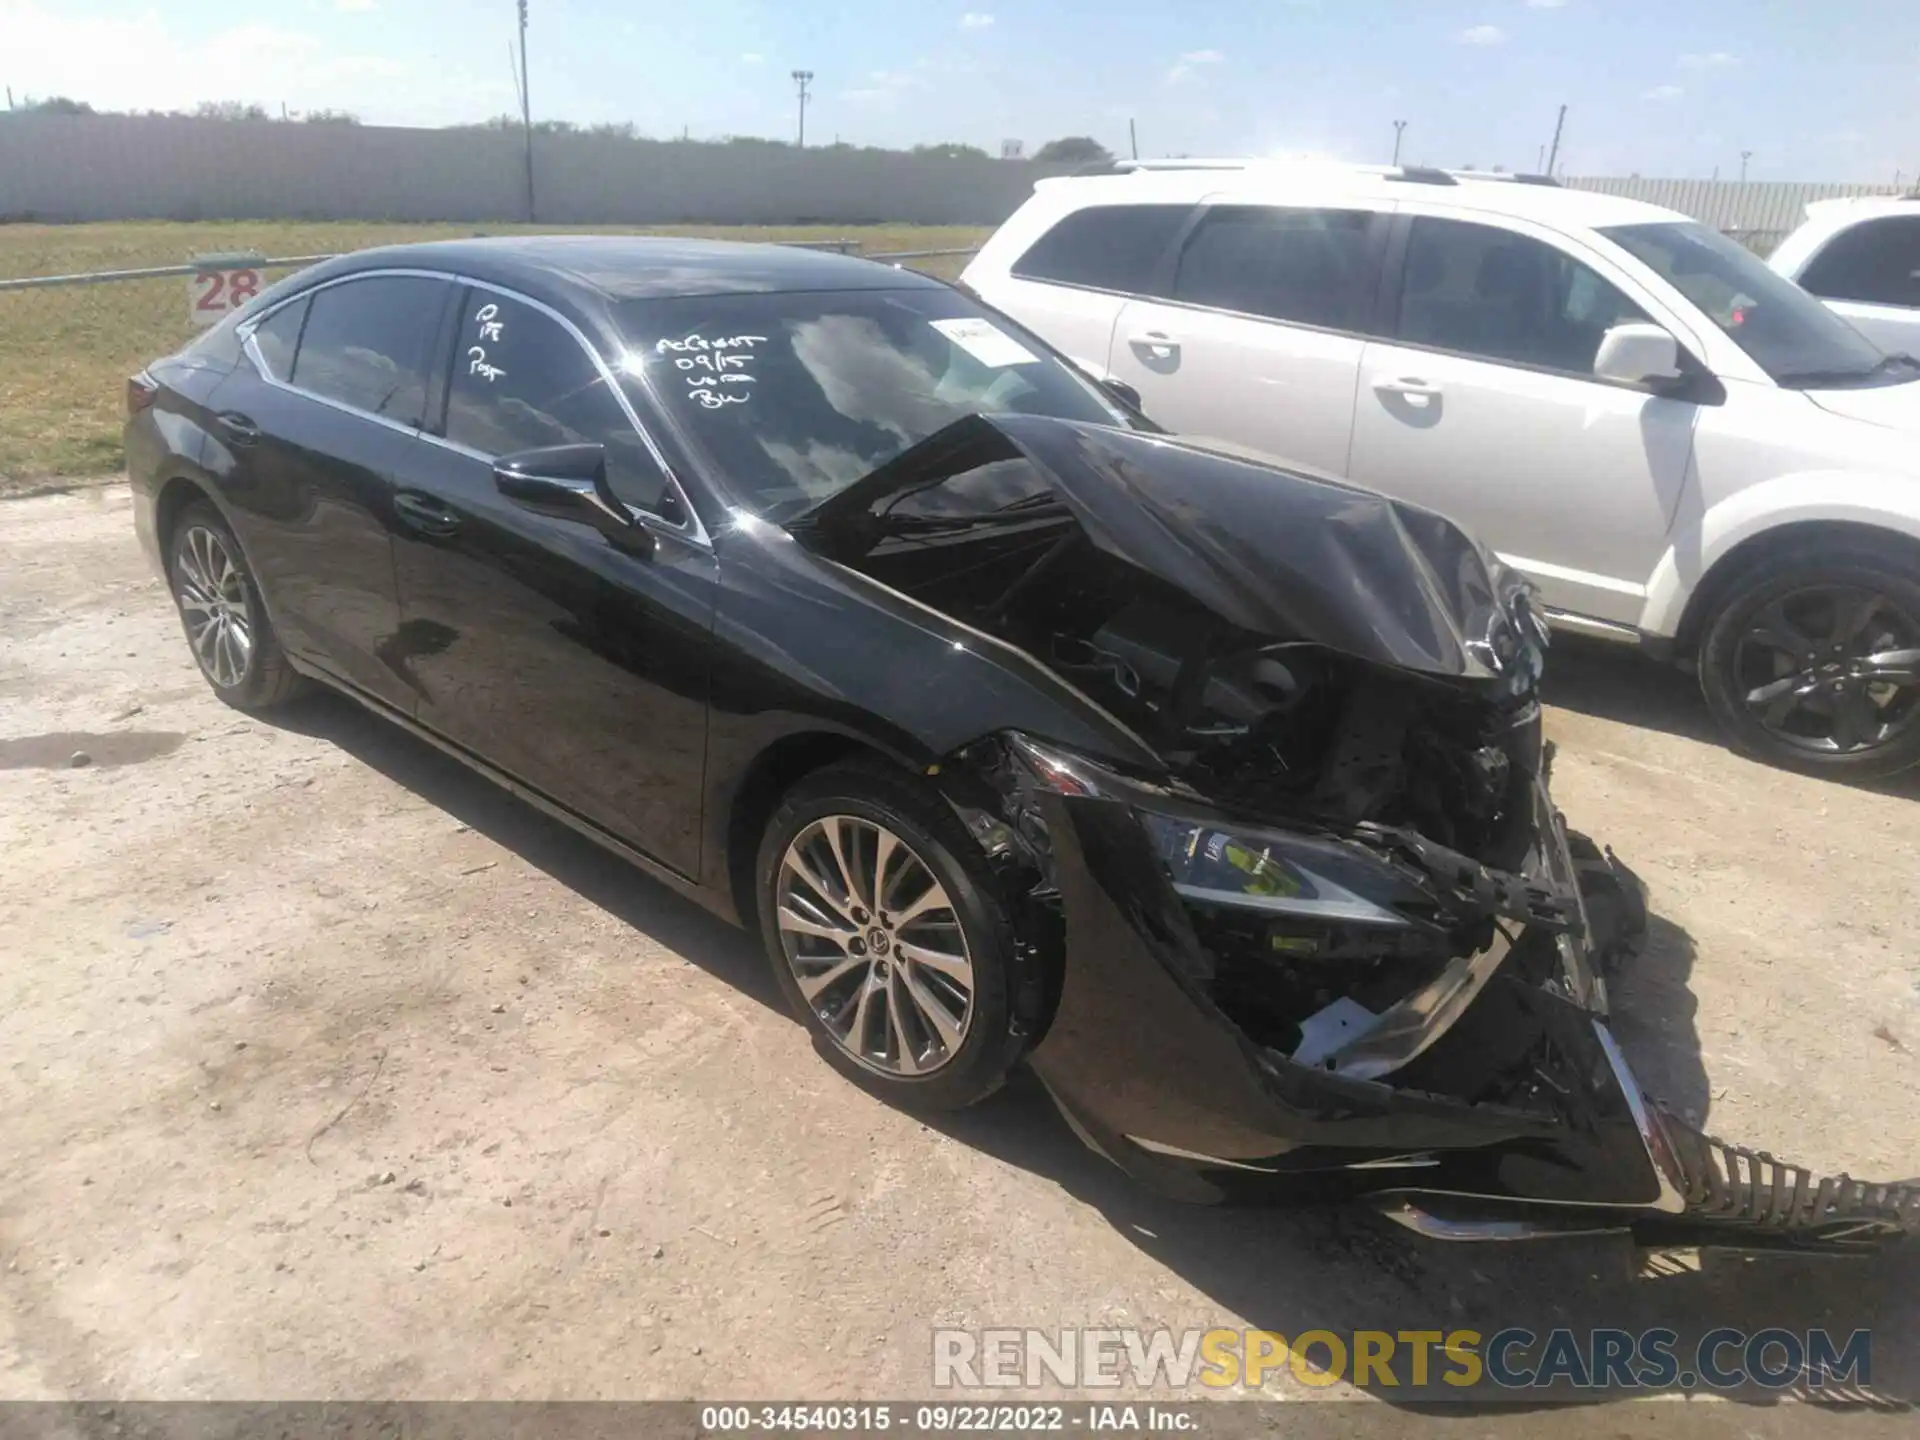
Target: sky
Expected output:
[1826,91]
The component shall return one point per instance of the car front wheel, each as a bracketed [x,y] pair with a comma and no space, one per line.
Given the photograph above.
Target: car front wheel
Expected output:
[1813,662]
[884,935]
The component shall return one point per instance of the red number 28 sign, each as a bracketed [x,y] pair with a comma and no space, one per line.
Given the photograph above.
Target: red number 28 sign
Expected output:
[214,294]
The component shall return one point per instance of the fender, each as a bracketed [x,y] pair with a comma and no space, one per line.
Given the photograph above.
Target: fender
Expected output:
[1883,500]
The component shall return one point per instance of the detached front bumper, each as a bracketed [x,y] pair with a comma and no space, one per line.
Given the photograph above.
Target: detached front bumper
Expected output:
[1493,1104]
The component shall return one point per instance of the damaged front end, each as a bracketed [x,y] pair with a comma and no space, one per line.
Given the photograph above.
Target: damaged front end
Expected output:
[1341,942]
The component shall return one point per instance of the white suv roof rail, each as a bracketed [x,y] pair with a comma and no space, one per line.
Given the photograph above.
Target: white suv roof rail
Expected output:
[1411,174]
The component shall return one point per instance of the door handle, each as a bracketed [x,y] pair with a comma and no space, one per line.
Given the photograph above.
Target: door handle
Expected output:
[1155,344]
[1415,390]
[239,429]
[425,514]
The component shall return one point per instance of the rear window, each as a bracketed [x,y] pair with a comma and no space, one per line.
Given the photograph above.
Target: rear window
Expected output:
[1104,247]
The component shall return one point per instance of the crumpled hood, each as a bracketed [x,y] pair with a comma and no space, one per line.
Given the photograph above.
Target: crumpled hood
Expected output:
[1270,550]
[1895,406]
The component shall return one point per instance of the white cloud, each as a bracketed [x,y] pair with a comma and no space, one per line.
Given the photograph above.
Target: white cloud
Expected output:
[354,4]
[1664,92]
[975,20]
[886,85]
[1192,60]
[1482,35]
[151,61]
[1712,60]
[753,57]
[1545,4]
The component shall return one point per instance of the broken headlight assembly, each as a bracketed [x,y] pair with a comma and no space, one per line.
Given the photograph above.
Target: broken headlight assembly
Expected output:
[1328,951]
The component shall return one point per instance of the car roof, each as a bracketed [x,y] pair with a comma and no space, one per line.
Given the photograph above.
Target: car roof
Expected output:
[1281,182]
[606,268]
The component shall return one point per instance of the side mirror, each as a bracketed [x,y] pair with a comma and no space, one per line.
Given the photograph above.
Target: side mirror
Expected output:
[1637,354]
[569,482]
[1122,391]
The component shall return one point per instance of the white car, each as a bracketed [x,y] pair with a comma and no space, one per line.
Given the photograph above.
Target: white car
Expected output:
[1861,256]
[1684,450]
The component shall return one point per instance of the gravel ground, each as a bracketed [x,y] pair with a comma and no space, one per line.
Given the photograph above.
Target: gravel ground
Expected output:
[331,1071]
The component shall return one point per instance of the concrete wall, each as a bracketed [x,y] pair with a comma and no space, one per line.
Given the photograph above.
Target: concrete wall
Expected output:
[65,168]
[59,167]
[1731,204]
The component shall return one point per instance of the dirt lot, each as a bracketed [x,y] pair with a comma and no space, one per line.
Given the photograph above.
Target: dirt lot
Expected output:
[328,1070]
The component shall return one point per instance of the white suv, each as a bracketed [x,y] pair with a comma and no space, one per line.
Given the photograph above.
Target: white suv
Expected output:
[1861,256]
[1683,449]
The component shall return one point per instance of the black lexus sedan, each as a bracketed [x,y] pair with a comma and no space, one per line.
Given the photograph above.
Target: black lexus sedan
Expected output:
[1020,731]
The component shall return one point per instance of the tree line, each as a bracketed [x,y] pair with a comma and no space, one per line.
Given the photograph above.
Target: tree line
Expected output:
[1068,150]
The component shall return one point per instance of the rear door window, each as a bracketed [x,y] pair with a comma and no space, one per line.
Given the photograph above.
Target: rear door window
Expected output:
[1875,263]
[521,381]
[1105,247]
[365,344]
[1310,267]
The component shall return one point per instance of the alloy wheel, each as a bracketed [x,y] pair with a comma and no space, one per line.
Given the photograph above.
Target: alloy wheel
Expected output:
[1831,669]
[211,590]
[875,945]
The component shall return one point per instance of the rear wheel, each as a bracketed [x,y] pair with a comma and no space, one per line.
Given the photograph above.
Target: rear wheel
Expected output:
[1813,662]
[885,937]
[220,609]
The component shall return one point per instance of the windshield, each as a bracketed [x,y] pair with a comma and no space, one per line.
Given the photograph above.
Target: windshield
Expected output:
[1791,335]
[793,397]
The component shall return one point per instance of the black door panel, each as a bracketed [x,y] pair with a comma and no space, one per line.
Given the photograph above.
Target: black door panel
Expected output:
[311,434]
[310,495]
[576,667]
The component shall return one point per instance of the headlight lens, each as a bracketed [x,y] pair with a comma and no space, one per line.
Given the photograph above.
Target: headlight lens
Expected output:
[1215,861]
[1271,871]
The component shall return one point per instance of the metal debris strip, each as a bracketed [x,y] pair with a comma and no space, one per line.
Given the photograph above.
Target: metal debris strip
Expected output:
[1731,1184]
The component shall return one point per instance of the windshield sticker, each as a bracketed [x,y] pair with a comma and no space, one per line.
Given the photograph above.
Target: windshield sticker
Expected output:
[487,325]
[985,342]
[717,371]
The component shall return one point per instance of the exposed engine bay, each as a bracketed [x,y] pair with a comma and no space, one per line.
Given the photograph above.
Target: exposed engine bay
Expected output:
[1341,925]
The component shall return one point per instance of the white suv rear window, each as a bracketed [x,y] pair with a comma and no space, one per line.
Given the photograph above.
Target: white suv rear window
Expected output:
[1104,247]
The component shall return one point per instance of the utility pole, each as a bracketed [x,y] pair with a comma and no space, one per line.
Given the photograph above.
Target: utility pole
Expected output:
[526,110]
[1553,155]
[1133,140]
[1745,155]
[1399,129]
[802,79]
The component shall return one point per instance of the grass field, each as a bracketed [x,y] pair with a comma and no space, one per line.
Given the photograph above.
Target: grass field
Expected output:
[66,351]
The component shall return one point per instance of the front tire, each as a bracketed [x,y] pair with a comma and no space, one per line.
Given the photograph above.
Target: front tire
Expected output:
[225,620]
[1812,661]
[883,932]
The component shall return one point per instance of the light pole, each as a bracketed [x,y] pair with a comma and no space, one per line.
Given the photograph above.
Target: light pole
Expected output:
[526,109]
[1745,155]
[802,79]
[1399,127]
